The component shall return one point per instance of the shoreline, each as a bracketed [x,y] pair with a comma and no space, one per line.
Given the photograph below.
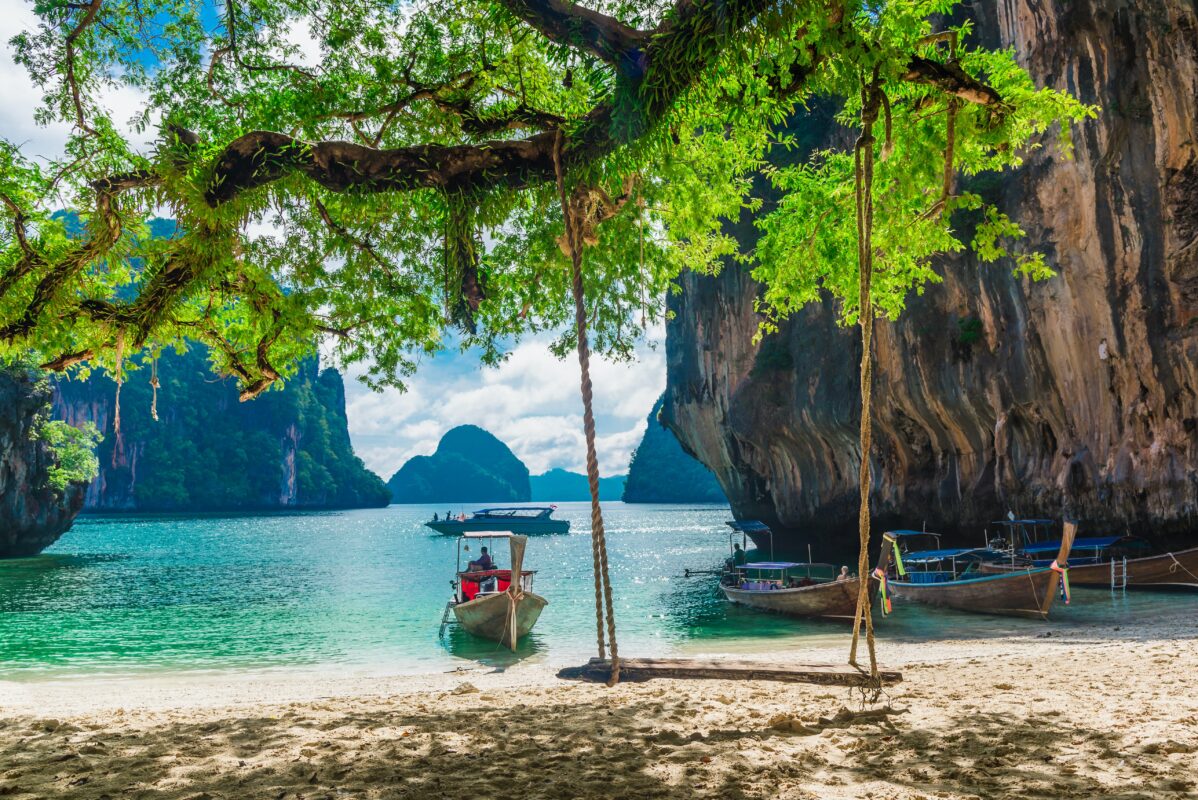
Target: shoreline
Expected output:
[1083,712]
[173,687]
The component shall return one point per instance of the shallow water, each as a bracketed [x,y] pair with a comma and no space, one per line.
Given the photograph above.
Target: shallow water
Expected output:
[365,590]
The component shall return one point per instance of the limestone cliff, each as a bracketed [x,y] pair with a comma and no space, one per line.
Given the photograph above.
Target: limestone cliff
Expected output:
[207,451]
[32,514]
[1079,395]
[662,472]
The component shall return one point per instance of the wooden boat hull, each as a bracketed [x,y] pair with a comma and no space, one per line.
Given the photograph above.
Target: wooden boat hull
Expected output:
[1170,570]
[490,616]
[1026,593]
[833,600]
[532,527]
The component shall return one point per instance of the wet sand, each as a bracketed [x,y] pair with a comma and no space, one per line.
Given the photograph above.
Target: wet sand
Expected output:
[1083,713]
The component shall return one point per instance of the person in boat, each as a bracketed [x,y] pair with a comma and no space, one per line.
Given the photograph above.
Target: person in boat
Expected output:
[435,517]
[844,574]
[483,562]
[738,556]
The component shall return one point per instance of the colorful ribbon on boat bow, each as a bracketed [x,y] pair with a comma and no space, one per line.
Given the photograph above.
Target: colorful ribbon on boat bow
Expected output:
[883,591]
[898,559]
[1064,573]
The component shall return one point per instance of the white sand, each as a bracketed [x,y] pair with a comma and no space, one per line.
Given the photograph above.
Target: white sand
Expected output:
[1091,712]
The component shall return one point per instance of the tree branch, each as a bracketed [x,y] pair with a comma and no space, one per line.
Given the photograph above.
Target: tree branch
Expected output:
[563,22]
[106,231]
[90,11]
[692,35]
[951,79]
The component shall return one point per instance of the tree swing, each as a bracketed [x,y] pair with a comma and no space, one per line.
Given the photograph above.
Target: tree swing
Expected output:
[582,212]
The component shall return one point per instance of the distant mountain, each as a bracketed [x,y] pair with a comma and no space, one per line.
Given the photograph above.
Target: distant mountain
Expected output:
[470,465]
[558,484]
[662,472]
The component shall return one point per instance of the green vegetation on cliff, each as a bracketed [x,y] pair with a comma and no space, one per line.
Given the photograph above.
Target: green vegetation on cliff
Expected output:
[662,472]
[207,451]
[470,465]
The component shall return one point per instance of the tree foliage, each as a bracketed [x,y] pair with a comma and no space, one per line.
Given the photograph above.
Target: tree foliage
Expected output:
[398,181]
[74,452]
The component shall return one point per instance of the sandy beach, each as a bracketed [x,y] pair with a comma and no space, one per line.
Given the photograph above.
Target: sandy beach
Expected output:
[1088,712]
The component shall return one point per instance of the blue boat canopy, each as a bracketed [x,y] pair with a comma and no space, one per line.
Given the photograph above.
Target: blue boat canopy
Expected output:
[773,565]
[913,533]
[512,510]
[748,525]
[958,552]
[1092,543]
[1024,522]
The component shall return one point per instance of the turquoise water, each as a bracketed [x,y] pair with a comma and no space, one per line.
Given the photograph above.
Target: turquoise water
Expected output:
[366,590]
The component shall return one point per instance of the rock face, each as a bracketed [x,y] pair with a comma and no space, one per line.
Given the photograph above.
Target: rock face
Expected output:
[208,452]
[1075,396]
[32,514]
[470,465]
[662,472]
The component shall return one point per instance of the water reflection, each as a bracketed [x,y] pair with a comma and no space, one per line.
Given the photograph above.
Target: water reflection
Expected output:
[462,644]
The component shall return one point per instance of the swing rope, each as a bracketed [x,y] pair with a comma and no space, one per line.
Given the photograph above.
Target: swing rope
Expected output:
[118,447]
[154,387]
[864,167]
[603,593]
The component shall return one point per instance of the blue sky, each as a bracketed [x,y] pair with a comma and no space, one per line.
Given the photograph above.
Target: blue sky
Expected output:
[531,401]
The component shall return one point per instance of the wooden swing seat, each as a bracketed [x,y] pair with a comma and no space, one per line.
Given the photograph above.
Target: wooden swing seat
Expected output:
[637,670]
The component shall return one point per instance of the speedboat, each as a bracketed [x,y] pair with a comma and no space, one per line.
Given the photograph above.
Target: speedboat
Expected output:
[527,520]
[496,604]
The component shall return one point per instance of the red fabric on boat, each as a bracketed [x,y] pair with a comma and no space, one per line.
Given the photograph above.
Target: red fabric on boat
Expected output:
[471,580]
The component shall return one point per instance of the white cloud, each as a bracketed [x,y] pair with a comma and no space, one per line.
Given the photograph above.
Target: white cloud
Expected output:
[531,402]
[21,97]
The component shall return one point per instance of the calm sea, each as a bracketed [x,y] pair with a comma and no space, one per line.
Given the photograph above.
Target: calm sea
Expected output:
[365,590]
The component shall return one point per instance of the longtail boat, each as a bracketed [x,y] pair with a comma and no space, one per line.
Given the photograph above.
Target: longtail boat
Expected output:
[1115,561]
[800,589]
[496,604]
[796,588]
[952,578]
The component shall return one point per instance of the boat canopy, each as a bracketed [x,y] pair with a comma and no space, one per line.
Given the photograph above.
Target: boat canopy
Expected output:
[511,511]
[487,535]
[1092,543]
[775,565]
[1024,522]
[912,533]
[748,525]
[958,552]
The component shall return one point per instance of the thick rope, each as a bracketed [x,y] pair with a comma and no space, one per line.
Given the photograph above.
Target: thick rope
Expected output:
[118,447]
[1176,565]
[603,593]
[864,167]
[154,387]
